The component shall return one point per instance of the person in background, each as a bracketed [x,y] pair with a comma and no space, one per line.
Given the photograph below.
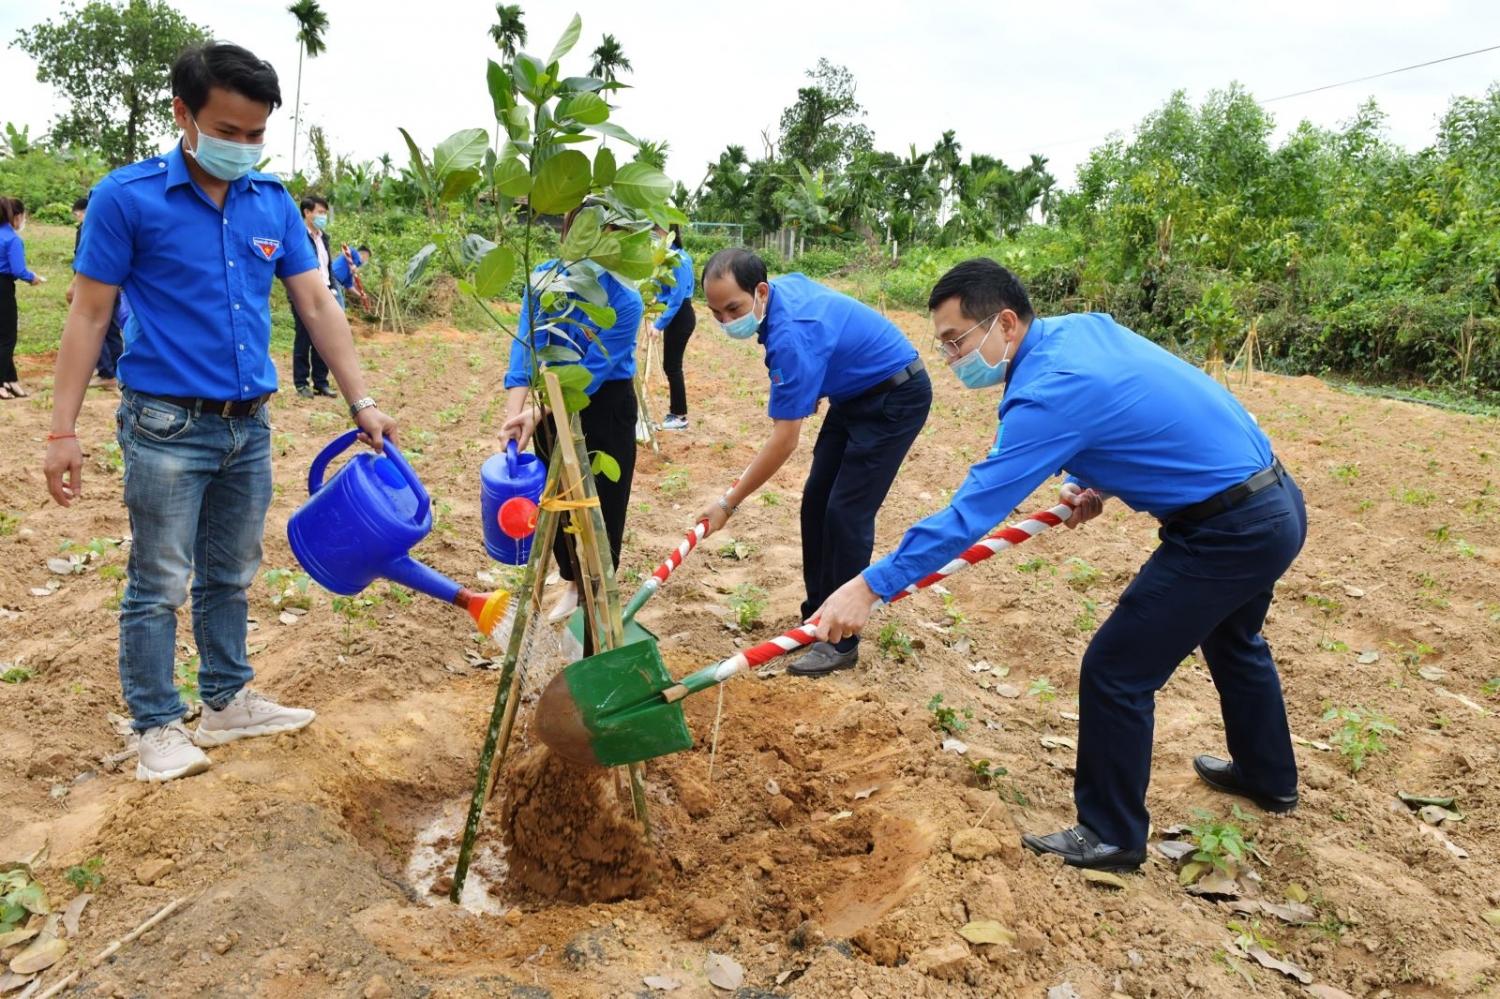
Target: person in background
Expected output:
[609,419]
[345,270]
[12,269]
[305,357]
[822,344]
[676,325]
[1128,419]
[196,236]
[114,338]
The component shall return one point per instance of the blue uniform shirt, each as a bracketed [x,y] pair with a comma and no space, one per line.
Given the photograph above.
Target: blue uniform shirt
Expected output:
[13,254]
[1121,414]
[198,277]
[340,267]
[680,293]
[820,344]
[613,362]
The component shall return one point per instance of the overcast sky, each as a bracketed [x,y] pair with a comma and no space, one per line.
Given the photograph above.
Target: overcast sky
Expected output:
[1011,78]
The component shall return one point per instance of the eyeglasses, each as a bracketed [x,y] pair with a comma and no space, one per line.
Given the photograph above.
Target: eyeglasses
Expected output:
[949,347]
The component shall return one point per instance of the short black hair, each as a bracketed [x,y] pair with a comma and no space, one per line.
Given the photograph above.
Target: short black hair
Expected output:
[983,288]
[10,210]
[364,251]
[81,204]
[312,202]
[676,231]
[747,268]
[229,67]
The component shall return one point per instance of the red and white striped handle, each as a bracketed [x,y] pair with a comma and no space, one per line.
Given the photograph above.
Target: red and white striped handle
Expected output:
[675,557]
[806,633]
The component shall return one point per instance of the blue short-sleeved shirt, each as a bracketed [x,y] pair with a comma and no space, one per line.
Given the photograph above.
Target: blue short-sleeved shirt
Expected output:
[1086,395]
[198,277]
[611,358]
[680,293]
[820,344]
[340,268]
[13,254]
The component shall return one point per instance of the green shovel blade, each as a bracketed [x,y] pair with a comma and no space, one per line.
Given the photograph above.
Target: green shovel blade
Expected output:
[633,632]
[608,709]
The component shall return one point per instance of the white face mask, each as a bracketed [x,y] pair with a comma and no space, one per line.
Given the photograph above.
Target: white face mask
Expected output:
[224,159]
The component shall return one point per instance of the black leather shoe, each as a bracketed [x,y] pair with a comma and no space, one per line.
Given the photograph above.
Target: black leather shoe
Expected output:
[1222,775]
[822,658]
[1080,847]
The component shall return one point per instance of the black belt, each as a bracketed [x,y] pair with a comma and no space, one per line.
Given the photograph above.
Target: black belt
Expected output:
[217,407]
[1233,496]
[900,378]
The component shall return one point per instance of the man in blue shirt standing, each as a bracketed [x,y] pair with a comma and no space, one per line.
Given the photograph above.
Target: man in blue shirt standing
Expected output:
[1126,419]
[821,344]
[194,237]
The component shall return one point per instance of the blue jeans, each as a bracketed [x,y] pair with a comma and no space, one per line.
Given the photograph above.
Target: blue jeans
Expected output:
[197,488]
[1208,585]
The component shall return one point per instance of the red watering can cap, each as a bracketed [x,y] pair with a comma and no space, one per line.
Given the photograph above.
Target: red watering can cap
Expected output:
[517,517]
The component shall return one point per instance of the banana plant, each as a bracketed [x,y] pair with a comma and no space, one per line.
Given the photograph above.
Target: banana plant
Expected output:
[552,161]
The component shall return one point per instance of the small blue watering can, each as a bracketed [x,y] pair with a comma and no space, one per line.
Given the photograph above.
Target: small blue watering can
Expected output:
[503,478]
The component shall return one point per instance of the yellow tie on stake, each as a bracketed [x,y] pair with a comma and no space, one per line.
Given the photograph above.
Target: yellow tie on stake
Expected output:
[559,504]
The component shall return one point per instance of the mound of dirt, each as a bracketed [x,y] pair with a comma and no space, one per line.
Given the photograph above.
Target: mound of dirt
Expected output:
[568,835]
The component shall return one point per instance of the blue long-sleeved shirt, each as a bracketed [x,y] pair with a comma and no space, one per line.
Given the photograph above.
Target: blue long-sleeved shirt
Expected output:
[610,359]
[1086,395]
[13,254]
[680,293]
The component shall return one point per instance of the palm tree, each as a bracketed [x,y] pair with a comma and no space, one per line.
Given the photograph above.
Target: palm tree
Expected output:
[608,58]
[508,32]
[311,23]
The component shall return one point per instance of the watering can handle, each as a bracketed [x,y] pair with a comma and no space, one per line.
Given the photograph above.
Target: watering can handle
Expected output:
[335,447]
[424,502]
[341,443]
[512,456]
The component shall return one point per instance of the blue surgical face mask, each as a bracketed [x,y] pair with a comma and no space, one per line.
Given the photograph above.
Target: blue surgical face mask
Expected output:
[975,372]
[321,221]
[224,159]
[745,326]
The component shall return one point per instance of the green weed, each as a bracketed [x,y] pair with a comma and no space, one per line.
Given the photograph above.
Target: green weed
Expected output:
[748,602]
[1220,843]
[894,642]
[85,876]
[946,719]
[1360,734]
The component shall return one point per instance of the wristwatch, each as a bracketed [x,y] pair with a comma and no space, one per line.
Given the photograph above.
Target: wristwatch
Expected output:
[363,403]
[724,505]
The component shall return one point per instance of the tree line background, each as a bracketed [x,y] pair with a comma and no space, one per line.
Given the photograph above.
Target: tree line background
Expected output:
[1348,254]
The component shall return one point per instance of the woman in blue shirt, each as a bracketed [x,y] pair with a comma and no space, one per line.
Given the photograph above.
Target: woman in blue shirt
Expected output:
[676,326]
[12,269]
[609,419]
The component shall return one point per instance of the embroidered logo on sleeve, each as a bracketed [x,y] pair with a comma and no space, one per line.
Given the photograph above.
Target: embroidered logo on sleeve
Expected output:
[266,246]
[995,451]
[776,377]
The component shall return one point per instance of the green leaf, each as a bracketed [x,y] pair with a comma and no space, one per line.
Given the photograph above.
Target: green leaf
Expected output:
[641,185]
[33,898]
[614,131]
[502,89]
[603,463]
[418,164]
[557,354]
[512,178]
[474,247]
[636,259]
[457,183]
[572,376]
[587,109]
[583,235]
[495,271]
[561,184]
[532,76]
[575,401]
[667,216]
[460,151]
[604,167]
[602,316]
[568,40]
[584,283]
[582,84]
[517,124]
[418,264]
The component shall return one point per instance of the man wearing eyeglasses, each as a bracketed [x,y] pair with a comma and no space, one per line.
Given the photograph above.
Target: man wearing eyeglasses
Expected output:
[1126,419]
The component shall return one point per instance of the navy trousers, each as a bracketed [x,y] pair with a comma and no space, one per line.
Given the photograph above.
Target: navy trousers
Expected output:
[1208,585]
[855,460]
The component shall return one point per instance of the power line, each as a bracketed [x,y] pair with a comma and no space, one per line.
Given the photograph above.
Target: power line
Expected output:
[1376,76]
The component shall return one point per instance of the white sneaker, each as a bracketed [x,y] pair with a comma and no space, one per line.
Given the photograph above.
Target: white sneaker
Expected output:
[674,422]
[566,604]
[251,713]
[167,752]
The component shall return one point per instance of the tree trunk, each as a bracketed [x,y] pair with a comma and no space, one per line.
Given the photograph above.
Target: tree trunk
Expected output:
[297,116]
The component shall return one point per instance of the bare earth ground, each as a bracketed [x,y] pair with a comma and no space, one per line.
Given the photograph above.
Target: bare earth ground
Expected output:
[293,853]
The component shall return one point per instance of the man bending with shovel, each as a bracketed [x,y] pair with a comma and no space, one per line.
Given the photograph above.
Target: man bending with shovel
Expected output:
[1130,420]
